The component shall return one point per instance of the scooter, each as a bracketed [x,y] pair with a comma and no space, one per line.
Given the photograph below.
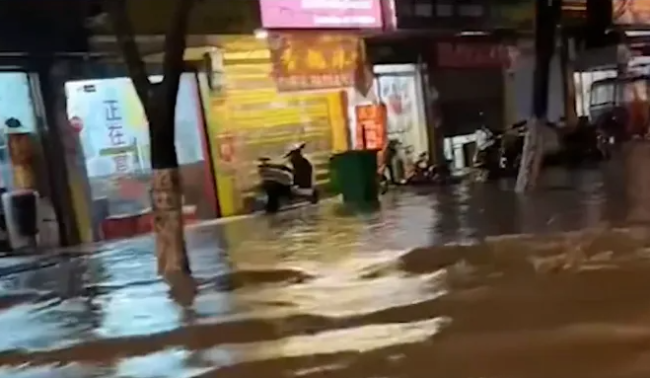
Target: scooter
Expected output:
[489,156]
[425,173]
[278,186]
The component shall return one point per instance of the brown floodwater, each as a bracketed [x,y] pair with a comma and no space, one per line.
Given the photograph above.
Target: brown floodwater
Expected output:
[462,282]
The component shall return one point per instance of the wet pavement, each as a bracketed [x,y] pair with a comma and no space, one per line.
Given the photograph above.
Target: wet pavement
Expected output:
[461,282]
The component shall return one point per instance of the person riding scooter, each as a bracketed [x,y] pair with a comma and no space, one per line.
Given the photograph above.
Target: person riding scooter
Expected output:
[282,182]
[277,180]
[303,172]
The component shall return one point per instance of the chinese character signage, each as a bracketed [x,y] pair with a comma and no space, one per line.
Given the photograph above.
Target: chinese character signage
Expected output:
[473,55]
[371,126]
[327,14]
[107,117]
[631,12]
[314,61]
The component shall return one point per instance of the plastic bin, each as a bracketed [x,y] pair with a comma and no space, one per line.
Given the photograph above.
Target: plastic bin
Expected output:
[354,176]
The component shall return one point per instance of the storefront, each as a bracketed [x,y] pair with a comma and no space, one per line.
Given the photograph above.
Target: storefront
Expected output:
[399,88]
[267,92]
[255,111]
[457,66]
[109,123]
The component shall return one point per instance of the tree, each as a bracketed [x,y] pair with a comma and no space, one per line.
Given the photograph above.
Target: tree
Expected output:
[547,14]
[159,104]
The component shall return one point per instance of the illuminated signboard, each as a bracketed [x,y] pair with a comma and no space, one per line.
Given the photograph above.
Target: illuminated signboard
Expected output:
[631,12]
[326,14]
[303,61]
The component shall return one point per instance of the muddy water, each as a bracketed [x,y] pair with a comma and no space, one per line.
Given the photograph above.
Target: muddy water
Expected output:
[323,293]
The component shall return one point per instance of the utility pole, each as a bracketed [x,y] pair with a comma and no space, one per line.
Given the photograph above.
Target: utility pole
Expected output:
[546,18]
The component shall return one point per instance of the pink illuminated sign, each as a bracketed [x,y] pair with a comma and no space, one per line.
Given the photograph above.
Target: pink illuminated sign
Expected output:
[326,14]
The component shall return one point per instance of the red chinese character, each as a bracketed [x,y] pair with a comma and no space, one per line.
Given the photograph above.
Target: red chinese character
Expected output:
[371,134]
[316,81]
[326,80]
[346,80]
[337,81]
[116,135]
[121,163]
[292,82]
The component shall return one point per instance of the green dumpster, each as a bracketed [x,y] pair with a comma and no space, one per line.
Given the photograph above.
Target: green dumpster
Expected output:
[354,175]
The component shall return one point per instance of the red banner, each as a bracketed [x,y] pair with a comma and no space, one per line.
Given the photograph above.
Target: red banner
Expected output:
[371,126]
[307,61]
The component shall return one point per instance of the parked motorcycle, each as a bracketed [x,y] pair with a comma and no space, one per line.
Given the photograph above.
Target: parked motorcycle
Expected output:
[577,145]
[423,171]
[585,143]
[283,183]
[426,173]
[490,156]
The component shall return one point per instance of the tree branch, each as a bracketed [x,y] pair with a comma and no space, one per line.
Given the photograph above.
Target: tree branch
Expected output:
[175,44]
[123,29]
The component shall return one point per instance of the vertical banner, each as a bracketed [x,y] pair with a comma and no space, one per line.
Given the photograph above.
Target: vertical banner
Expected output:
[371,126]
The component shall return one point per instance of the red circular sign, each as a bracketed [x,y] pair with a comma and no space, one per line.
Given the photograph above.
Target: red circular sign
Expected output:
[77,124]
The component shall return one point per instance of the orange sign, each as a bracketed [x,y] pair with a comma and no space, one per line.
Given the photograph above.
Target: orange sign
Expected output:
[306,61]
[371,126]
[630,12]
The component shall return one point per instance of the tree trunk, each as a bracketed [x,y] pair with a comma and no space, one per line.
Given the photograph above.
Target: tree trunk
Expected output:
[167,206]
[159,103]
[546,18]
[166,188]
[533,155]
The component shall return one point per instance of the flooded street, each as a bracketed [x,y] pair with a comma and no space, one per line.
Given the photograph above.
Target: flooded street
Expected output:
[463,282]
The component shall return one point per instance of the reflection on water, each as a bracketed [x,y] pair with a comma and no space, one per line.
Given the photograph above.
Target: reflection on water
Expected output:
[316,292]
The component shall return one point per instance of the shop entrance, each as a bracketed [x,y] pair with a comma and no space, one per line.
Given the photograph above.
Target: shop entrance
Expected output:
[399,87]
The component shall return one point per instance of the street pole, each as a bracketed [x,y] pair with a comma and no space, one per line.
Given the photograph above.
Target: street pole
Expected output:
[546,16]
[568,83]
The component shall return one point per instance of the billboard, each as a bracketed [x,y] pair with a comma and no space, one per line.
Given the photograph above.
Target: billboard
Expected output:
[631,12]
[325,14]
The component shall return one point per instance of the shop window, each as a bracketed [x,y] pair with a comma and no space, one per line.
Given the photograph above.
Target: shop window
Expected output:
[16,116]
[113,133]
